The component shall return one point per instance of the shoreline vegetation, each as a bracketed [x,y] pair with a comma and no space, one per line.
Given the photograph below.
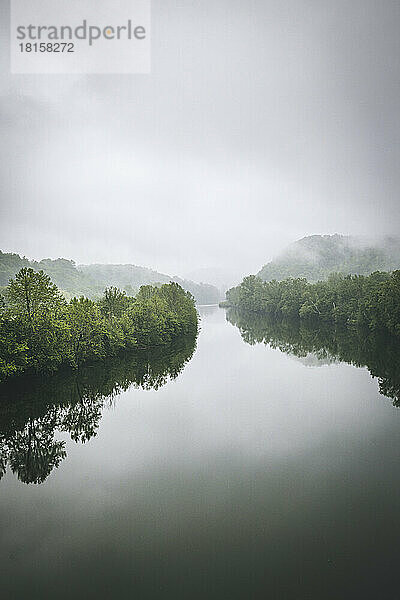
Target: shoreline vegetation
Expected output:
[371,301]
[40,331]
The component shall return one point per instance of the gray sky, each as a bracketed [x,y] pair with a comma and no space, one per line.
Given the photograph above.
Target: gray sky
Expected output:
[261,122]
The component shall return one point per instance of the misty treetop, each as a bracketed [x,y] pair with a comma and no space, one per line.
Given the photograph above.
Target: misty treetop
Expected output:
[316,256]
[40,330]
[372,301]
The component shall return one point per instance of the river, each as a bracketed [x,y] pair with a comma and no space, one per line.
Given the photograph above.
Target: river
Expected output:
[226,469]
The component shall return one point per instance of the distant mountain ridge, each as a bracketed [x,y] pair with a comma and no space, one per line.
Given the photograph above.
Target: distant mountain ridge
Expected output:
[122,276]
[91,280]
[315,256]
[222,278]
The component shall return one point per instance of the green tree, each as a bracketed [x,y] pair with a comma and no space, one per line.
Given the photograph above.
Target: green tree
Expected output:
[33,294]
[39,330]
[86,330]
[113,302]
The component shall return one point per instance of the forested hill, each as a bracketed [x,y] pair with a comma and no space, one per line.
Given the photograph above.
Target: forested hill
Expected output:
[131,277]
[316,256]
[61,271]
[91,280]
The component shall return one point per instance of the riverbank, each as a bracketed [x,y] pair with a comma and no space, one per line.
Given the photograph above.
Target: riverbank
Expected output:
[371,301]
[40,331]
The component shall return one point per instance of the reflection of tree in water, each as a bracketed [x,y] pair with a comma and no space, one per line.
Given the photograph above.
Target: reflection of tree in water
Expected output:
[81,420]
[33,452]
[377,351]
[33,410]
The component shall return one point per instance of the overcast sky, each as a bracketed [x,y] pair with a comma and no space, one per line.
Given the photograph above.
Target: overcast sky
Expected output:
[261,122]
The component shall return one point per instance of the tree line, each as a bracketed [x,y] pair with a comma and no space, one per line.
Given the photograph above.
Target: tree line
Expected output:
[40,330]
[372,301]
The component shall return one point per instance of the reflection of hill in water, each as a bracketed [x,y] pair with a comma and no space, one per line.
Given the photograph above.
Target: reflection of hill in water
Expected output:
[33,410]
[312,360]
[378,352]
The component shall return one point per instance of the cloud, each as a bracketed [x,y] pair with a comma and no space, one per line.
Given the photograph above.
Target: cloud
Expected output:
[259,124]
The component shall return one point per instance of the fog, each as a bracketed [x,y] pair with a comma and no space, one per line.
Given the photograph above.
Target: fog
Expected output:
[261,122]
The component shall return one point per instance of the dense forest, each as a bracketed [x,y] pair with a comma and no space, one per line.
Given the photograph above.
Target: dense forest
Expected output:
[41,331]
[33,410]
[372,301]
[91,280]
[372,349]
[316,256]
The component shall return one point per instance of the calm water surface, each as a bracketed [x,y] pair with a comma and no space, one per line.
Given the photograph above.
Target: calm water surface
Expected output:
[240,471]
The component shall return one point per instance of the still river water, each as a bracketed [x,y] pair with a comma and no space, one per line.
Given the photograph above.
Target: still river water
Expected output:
[233,469]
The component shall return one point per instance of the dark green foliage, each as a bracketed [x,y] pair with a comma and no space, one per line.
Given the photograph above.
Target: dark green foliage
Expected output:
[372,301]
[33,295]
[316,256]
[40,331]
[113,303]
